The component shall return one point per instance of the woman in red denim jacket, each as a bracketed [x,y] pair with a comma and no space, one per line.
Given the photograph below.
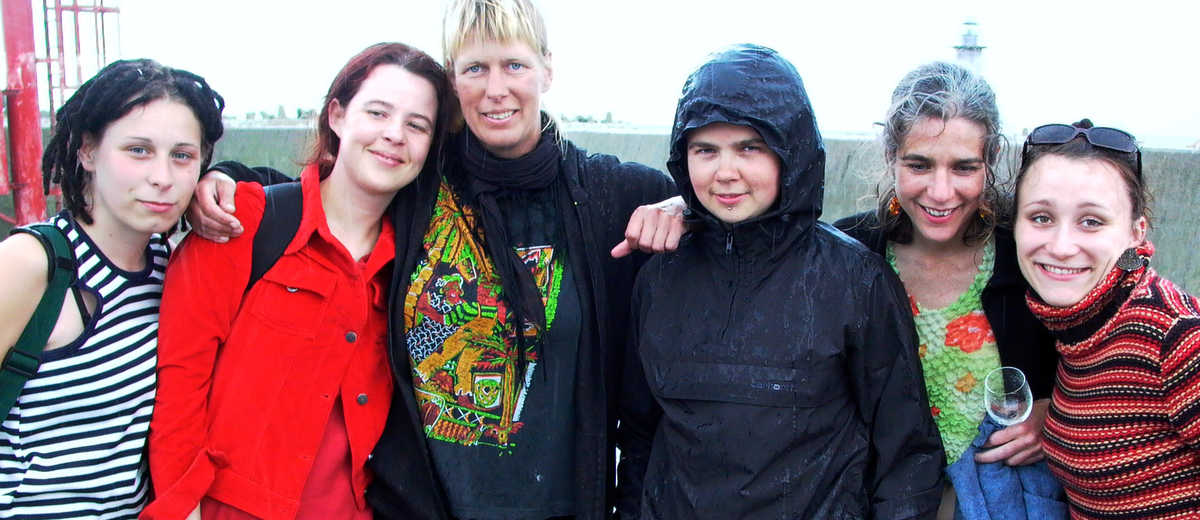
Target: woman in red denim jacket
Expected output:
[270,399]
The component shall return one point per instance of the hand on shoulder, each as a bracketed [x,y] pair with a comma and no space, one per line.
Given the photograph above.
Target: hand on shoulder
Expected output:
[653,228]
[211,212]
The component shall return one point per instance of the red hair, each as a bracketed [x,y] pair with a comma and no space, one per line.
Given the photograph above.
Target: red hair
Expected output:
[348,80]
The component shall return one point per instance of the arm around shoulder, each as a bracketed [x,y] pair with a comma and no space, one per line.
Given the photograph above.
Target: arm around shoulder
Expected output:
[626,184]
[654,185]
[263,175]
[642,204]
[211,211]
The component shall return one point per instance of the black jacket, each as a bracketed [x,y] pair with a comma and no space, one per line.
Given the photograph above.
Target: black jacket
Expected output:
[780,353]
[1021,338]
[605,192]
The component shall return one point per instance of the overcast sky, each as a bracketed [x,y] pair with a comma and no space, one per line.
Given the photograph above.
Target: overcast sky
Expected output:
[1126,64]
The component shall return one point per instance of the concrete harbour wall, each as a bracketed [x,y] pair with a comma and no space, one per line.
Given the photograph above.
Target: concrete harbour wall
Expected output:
[850,165]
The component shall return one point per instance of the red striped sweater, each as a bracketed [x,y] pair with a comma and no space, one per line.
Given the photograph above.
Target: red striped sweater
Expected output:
[1123,432]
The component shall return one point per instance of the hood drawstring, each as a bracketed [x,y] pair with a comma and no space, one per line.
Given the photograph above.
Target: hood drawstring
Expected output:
[728,242]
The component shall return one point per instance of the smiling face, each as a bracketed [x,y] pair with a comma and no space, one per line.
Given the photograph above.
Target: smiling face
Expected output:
[1074,219]
[940,175]
[733,172]
[385,130]
[144,167]
[500,87]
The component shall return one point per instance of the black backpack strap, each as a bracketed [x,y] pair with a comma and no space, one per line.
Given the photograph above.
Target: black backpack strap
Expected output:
[281,219]
[23,359]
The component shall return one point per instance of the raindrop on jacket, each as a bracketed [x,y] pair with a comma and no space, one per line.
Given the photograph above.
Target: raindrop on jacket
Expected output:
[780,353]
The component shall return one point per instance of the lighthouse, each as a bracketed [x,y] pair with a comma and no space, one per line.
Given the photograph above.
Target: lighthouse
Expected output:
[969,50]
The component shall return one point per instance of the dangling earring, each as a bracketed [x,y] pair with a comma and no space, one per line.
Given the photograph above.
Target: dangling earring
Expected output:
[1130,261]
[894,206]
[985,212]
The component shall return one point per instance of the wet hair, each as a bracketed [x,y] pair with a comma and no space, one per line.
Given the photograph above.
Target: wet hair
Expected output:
[108,96]
[468,21]
[348,80]
[1126,164]
[941,91]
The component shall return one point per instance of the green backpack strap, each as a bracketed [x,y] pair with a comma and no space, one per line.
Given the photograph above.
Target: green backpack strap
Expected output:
[23,359]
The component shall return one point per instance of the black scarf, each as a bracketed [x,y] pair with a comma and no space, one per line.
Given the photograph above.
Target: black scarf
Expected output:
[487,177]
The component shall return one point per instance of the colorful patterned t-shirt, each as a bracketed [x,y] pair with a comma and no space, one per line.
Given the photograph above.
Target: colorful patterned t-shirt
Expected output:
[501,439]
[957,351]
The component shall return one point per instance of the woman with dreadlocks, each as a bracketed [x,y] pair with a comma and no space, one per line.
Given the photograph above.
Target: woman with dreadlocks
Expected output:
[127,150]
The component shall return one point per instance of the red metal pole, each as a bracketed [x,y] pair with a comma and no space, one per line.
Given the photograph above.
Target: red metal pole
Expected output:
[4,187]
[24,121]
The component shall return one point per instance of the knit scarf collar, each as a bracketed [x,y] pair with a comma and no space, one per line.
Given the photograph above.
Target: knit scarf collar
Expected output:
[488,176]
[1079,325]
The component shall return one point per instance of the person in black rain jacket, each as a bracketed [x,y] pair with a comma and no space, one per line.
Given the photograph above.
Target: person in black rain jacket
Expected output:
[779,352]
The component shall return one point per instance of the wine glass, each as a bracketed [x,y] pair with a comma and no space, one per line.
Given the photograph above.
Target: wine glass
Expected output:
[1007,396]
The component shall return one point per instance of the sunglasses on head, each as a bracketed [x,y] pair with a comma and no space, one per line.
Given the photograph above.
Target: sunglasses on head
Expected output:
[1100,136]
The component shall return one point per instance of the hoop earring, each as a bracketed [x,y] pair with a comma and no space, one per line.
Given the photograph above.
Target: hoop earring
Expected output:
[893,207]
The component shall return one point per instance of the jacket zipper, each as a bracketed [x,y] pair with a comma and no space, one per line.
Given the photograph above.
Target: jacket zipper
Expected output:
[733,283]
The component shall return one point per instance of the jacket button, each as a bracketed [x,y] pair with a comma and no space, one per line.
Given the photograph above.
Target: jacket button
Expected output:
[362,398]
[219,459]
[351,337]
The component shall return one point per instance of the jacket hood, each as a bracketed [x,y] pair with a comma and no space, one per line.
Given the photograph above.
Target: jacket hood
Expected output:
[751,85]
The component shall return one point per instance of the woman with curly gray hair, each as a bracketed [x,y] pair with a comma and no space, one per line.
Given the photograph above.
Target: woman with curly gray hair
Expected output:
[936,222]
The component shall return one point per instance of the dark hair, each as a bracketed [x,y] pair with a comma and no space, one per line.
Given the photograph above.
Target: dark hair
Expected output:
[943,91]
[1126,164]
[108,96]
[348,80]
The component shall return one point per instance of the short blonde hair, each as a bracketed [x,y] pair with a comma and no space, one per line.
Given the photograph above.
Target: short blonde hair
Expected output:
[469,21]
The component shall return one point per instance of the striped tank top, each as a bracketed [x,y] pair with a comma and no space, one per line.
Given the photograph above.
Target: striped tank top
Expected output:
[74,444]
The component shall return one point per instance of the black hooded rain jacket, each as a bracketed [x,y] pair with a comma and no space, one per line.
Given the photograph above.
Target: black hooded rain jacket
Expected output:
[779,352]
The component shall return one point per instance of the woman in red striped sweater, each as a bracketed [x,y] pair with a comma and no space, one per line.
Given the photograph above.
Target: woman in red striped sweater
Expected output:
[1123,431]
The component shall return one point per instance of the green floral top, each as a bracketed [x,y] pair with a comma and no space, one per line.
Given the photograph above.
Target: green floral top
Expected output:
[957,351]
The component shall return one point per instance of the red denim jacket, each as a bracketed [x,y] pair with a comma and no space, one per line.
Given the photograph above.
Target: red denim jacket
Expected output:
[246,382]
